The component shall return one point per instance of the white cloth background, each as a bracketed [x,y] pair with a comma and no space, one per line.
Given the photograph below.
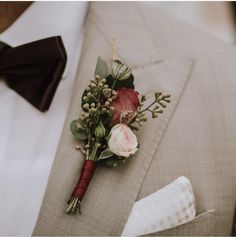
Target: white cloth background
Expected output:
[29,138]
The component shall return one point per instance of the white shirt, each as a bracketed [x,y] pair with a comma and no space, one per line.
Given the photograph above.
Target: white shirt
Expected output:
[28,137]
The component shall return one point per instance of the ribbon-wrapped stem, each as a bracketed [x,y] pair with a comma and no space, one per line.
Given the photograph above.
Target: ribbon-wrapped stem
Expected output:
[86,176]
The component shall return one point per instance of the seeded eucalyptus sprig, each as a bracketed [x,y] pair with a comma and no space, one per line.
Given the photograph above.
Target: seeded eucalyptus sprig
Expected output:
[156,107]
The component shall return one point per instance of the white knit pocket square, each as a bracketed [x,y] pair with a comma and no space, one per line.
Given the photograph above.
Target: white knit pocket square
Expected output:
[166,208]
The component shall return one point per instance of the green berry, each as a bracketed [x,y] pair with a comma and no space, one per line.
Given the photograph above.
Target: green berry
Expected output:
[93,85]
[86,106]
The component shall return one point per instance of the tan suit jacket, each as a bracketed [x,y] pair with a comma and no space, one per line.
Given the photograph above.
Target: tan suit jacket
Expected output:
[195,137]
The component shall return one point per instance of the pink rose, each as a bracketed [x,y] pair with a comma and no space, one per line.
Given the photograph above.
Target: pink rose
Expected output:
[127,101]
[122,141]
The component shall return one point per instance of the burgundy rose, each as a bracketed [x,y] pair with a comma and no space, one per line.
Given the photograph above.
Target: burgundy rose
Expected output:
[125,104]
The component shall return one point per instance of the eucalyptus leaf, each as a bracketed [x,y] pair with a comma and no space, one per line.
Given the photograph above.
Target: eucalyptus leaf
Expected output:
[105,154]
[101,68]
[83,123]
[78,133]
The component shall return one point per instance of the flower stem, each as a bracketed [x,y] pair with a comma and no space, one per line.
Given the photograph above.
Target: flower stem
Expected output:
[141,111]
[94,151]
[85,178]
[74,204]
[113,84]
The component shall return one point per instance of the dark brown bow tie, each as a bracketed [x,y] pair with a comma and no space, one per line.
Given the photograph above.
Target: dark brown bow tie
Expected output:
[34,70]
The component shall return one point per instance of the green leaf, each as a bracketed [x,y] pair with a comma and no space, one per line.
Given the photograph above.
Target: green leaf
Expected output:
[105,154]
[83,123]
[111,161]
[101,68]
[128,83]
[78,133]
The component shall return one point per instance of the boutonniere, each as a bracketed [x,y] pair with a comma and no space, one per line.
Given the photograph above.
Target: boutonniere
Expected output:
[112,111]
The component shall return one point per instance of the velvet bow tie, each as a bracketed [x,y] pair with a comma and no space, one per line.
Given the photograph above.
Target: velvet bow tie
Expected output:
[34,70]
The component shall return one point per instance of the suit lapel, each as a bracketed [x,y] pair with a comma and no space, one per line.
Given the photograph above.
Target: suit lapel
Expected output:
[170,76]
[112,192]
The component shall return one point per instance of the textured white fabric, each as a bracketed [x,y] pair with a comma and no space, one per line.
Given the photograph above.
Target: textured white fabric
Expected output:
[29,138]
[168,207]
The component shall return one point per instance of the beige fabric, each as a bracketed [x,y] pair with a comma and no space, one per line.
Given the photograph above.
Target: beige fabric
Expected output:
[194,138]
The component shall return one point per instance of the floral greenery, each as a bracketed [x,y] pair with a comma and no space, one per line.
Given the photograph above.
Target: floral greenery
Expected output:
[92,129]
[112,110]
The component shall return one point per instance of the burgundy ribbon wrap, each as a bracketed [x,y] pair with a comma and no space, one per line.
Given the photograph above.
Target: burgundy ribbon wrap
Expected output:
[86,176]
